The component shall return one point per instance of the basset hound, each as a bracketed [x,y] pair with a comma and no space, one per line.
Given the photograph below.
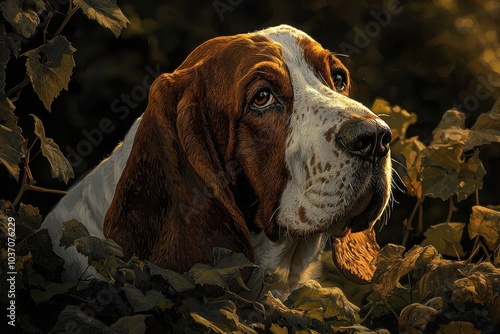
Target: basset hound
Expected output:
[251,144]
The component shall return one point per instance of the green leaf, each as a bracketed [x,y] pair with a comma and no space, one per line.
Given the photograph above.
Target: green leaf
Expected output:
[53,289]
[440,169]
[397,118]
[50,67]
[470,177]
[105,12]
[139,301]
[485,222]
[28,221]
[11,141]
[227,265]
[72,230]
[23,15]
[135,324]
[59,165]
[331,302]
[445,237]
[73,319]
[177,281]
[93,247]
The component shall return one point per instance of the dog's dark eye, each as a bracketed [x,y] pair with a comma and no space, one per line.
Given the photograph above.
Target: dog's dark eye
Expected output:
[263,98]
[339,81]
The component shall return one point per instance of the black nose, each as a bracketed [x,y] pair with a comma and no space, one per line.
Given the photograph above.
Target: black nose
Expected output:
[369,139]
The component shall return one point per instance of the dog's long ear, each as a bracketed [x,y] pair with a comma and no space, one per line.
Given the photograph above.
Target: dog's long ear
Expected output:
[173,204]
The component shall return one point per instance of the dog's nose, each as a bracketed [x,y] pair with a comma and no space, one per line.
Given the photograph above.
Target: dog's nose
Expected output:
[369,139]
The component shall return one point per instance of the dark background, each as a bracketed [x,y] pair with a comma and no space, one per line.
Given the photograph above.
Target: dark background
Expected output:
[426,56]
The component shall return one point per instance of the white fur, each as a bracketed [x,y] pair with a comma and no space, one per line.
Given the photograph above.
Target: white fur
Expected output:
[87,201]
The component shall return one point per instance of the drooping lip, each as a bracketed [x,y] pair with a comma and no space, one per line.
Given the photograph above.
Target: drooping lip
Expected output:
[362,216]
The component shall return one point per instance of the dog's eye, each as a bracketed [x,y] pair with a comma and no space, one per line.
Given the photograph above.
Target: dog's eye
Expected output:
[339,81]
[263,98]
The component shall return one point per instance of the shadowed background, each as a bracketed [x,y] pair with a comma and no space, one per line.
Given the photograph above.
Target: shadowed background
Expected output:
[427,57]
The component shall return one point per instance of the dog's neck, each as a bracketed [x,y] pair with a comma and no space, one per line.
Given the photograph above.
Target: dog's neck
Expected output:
[286,264]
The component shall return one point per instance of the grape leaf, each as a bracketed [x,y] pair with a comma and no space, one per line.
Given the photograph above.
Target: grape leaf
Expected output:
[439,175]
[139,301]
[73,319]
[452,131]
[331,301]
[72,230]
[397,118]
[227,265]
[445,237]
[177,281]
[131,324]
[105,12]
[59,165]
[392,265]
[470,177]
[407,152]
[50,67]
[485,223]
[23,15]
[11,140]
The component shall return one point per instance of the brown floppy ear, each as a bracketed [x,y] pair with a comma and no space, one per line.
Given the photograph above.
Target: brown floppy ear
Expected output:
[172,204]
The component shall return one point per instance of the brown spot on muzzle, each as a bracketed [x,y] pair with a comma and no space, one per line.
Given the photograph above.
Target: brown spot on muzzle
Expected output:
[302,214]
[330,133]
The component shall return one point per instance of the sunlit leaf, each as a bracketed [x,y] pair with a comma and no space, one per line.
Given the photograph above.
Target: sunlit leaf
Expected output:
[50,67]
[105,12]
[485,223]
[59,165]
[331,302]
[445,237]
[392,265]
[397,118]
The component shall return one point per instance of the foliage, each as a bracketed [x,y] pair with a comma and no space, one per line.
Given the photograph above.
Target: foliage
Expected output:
[445,284]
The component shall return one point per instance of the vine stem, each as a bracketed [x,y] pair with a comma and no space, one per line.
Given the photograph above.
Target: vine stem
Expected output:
[408,226]
[451,209]
[71,11]
[46,190]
